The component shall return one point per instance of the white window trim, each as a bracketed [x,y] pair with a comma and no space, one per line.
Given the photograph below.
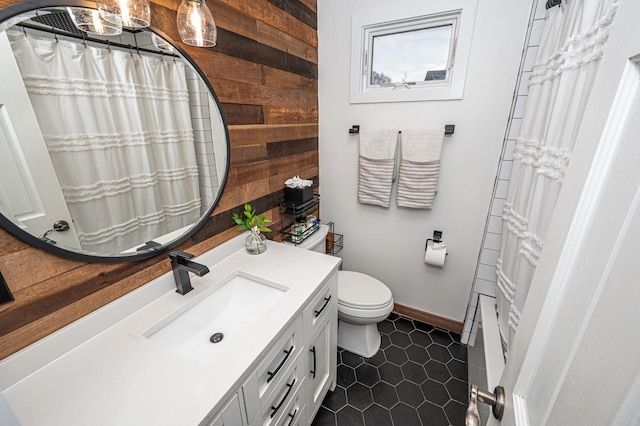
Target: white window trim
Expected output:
[365,26]
[413,24]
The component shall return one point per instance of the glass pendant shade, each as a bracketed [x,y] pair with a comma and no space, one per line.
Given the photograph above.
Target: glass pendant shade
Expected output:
[134,13]
[196,24]
[93,21]
[161,43]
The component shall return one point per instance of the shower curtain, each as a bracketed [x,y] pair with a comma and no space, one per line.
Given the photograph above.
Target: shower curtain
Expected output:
[118,129]
[572,44]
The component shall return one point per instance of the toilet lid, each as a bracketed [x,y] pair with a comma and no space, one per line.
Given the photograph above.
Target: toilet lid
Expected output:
[361,291]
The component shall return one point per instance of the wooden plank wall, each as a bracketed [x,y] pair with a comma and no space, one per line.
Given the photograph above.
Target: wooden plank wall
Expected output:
[264,70]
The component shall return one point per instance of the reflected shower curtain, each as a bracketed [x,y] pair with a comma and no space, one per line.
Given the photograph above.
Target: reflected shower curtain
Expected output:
[572,44]
[123,150]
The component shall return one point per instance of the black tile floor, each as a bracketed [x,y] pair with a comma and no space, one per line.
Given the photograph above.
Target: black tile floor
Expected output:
[418,377]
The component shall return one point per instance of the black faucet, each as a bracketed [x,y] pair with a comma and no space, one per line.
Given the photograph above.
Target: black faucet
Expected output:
[181,266]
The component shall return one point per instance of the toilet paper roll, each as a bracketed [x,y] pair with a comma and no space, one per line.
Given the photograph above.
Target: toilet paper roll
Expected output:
[435,254]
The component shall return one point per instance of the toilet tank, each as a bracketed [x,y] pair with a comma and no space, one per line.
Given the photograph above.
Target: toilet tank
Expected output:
[315,242]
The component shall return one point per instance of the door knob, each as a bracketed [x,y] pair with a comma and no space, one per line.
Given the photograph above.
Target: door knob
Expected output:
[495,399]
[58,226]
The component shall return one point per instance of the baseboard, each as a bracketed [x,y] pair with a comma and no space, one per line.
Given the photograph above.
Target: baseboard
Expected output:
[428,318]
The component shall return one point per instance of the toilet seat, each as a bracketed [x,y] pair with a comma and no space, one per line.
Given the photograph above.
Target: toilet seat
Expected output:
[357,291]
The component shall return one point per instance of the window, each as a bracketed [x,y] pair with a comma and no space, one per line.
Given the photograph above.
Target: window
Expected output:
[412,58]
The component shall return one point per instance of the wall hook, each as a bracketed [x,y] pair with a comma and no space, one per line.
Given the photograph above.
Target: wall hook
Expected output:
[355,129]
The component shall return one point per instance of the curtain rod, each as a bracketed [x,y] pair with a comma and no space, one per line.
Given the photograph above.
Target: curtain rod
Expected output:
[95,40]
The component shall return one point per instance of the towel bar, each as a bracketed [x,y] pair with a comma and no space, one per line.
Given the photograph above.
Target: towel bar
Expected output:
[449,129]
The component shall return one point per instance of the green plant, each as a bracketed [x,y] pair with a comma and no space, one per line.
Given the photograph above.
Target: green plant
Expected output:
[250,220]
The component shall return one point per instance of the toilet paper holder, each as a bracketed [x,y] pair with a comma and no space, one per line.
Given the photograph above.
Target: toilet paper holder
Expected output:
[437,238]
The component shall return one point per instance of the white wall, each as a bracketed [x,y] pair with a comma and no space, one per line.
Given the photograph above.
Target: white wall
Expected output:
[389,243]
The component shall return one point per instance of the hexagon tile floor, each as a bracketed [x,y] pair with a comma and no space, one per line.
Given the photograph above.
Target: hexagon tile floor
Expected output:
[418,377]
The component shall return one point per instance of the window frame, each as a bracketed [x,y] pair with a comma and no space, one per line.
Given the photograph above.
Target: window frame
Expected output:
[459,13]
[421,23]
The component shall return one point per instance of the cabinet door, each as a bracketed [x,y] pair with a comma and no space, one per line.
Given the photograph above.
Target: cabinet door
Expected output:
[230,415]
[321,330]
[322,361]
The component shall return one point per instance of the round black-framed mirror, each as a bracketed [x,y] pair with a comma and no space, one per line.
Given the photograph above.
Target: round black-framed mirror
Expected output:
[201,141]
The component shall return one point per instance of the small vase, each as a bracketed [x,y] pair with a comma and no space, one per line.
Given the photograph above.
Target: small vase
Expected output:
[255,242]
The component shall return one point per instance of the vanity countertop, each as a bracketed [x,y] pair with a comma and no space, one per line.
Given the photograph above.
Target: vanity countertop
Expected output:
[119,377]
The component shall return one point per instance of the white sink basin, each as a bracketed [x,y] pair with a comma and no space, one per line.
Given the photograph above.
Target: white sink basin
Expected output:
[233,308]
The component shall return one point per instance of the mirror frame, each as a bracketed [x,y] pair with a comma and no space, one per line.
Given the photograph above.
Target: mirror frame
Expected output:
[15,9]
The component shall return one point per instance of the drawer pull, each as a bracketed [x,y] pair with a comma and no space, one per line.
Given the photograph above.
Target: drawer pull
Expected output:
[313,351]
[293,416]
[286,357]
[326,302]
[275,409]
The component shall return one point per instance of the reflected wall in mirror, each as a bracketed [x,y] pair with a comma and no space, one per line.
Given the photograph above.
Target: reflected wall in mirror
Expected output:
[121,137]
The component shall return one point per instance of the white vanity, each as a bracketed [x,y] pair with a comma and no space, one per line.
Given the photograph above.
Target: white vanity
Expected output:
[147,358]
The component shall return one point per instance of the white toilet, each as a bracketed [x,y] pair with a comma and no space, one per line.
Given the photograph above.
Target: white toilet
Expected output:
[363,302]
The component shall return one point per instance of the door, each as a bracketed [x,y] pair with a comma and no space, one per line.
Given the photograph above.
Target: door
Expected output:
[30,194]
[575,359]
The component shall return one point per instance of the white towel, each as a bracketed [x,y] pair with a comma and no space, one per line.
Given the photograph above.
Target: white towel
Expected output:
[419,168]
[376,166]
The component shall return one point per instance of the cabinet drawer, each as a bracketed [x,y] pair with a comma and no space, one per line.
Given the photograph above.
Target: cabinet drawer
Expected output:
[274,367]
[294,414]
[324,303]
[287,391]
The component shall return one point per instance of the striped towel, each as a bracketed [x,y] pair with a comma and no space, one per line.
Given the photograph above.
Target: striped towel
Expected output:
[376,166]
[419,168]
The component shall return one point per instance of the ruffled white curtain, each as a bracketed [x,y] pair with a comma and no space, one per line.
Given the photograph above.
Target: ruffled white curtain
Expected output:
[573,42]
[118,129]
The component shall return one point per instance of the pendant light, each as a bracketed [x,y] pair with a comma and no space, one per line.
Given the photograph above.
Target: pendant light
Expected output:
[196,24]
[94,21]
[161,43]
[195,21]
[135,13]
